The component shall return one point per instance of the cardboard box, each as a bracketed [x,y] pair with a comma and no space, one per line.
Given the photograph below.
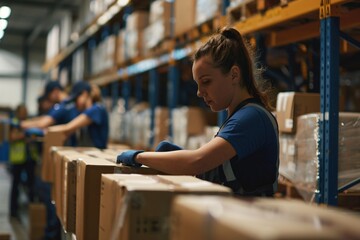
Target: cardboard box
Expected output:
[37,221]
[155,33]
[47,168]
[62,156]
[137,21]
[138,206]
[5,236]
[88,182]
[184,13]
[290,105]
[230,218]
[120,48]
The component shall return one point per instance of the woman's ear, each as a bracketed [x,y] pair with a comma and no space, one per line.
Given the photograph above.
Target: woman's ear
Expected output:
[235,74]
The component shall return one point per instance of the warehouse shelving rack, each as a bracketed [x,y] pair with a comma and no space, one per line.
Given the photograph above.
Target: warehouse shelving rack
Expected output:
[295,21]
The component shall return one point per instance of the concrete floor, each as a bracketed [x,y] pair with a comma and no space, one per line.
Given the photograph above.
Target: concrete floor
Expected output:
[17,228]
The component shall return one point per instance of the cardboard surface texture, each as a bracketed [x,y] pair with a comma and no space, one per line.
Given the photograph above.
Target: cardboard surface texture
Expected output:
[37,221]
[47,168]
[230,218]
[138,206]
[88,183]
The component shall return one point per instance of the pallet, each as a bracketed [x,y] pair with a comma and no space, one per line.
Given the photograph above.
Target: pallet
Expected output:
[286,189]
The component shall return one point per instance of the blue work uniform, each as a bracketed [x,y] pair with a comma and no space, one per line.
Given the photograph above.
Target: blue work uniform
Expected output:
[253,132]
[63,113]
[98,130]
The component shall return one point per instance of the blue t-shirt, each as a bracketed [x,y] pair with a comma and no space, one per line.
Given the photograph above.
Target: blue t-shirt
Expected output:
[253,134]
[63,113]
[99,128]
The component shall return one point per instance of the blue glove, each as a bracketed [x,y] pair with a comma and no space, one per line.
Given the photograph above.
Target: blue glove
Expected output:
[34,132]
[128,158]
[165,146]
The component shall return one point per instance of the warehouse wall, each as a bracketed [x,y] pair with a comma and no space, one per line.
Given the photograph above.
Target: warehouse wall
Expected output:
[11,85]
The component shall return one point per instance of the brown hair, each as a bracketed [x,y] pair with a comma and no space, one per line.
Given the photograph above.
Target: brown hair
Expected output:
[228,48]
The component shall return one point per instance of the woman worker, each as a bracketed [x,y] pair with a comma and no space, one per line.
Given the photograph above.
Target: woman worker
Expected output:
[244,153]
[93,115]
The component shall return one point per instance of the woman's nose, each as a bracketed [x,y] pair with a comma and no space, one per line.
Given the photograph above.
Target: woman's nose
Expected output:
[199,93]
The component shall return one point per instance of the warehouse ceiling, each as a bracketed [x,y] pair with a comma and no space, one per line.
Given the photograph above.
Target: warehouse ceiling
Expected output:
[31,20]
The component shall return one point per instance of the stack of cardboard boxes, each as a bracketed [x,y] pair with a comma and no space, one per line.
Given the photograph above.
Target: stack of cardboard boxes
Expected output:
[289,107]
[299,120]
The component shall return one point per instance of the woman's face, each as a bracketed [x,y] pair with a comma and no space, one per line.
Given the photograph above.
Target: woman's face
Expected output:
[215,87]
[81,101]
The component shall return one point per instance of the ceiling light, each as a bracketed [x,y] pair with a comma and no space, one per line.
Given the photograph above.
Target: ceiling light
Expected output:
[5,12]
[1,34]
[3,24]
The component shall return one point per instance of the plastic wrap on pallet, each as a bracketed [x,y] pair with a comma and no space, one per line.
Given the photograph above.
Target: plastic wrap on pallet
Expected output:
[287,152]
[206,10]
[307,152]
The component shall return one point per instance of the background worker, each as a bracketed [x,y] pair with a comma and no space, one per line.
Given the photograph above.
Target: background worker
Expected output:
[20,162]
[62,111]
[93,115]
[244,153]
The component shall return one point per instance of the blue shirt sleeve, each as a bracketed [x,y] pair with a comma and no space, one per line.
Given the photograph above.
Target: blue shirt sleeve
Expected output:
[245,131]
[94,113]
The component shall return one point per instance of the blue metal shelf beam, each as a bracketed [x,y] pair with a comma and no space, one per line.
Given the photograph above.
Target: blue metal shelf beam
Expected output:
[329,122]
[153,99]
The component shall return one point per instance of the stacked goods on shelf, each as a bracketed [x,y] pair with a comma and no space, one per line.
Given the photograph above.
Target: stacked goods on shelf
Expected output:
[136,126]
[52,42]
[184,16]
[116,118]
[161,125]
[159,24]
[103,56]
[229,218]
[291,105]
[138,206]
[133,41]
[65,30]
[120,48]
[187,122]
[307,152]
[206,10]
[78,65]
